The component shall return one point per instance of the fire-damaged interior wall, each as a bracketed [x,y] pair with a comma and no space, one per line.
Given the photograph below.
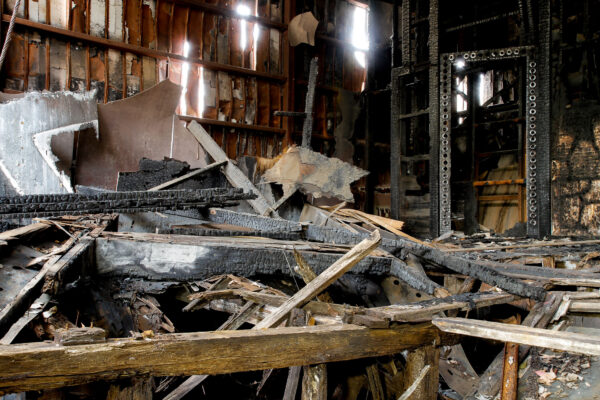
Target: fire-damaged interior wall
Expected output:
[232,59]
[576,118]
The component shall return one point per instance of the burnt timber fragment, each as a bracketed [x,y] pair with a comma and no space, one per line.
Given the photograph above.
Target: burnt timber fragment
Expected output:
[51,205]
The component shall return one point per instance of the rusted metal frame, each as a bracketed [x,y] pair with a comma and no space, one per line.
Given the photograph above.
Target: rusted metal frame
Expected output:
[510,372]
[520,150]
[230,13]
[113,44]
[445,109]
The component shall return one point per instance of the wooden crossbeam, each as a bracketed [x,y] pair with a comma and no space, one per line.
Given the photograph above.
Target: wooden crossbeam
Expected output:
[36,366]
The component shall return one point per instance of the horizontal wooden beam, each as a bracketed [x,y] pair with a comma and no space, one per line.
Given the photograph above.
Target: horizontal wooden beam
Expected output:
[36,366]
[220,10]
[152,256]
[144,51]
[566,341]
[234,125]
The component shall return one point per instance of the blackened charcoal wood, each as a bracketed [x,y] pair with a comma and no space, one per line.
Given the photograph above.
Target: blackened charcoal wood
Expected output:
[402,247]
[254,222]
[401,271]
[219,232]
[114,202]
[474,269]
[170,257]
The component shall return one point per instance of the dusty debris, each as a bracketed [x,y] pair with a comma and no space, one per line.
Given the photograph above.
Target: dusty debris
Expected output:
[313,173]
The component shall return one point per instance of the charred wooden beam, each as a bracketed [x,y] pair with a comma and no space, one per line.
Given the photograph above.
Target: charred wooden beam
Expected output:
[48,205]
[202,353]
[160,257]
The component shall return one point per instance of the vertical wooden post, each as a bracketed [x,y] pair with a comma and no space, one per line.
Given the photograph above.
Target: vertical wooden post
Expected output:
[415,362]
[314,382]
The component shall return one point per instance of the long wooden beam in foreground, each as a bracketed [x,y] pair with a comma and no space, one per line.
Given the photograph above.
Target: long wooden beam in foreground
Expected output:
[36,366]
[566,341]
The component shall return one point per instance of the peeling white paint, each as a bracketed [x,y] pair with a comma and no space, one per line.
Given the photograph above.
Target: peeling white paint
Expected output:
[115,19]
[10,178]
[43,141]
[97,11]
[59,13]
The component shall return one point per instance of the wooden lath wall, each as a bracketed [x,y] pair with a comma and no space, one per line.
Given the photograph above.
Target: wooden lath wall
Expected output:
[121,47]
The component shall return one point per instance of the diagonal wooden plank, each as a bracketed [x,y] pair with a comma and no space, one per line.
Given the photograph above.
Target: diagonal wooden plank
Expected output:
[233,174]
[322,281]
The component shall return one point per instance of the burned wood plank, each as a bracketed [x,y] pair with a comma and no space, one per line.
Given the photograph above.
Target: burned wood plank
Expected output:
[566,341]
[322,281]
[189,175]
[401,247]
[34,310]
[194,353]
[160,257]
[23,231]
[252,221]
[474,269]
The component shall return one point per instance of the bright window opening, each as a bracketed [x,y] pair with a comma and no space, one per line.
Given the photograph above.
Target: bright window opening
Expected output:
[360,35]
[201,93]
[462,87]
[244,10]
[185,72]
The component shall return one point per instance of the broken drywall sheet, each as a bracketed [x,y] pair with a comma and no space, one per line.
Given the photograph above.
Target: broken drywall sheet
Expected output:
[22,162]
[313,173]
[43,142]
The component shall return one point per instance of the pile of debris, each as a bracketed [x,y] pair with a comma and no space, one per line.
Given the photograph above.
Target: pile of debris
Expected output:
[137,294]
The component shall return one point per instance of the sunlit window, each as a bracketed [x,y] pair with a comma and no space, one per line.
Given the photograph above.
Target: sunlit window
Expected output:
[360,35]
[244,10]
[185,69]
[462,87]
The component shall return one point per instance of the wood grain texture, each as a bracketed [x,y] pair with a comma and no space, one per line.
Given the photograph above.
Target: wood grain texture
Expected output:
[202,353]
[566,341]
[322,281]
